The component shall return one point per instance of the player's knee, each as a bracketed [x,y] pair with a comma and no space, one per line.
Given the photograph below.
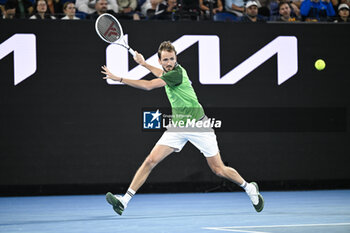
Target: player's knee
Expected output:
[150,162]
[219,171]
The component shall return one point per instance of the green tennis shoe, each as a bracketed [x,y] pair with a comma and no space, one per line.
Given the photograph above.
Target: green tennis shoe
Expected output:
[116,202]
[260,206]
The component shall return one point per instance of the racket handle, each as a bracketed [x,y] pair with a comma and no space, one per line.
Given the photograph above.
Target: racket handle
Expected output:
[132,52]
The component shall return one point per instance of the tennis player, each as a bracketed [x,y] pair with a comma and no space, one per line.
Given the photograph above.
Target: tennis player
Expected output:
[181,95]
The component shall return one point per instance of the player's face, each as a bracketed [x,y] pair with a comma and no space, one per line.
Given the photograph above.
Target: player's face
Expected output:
[167,60]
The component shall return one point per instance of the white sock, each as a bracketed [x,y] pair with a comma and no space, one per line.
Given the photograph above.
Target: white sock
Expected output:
[128,195]
[251,191]
[248,187]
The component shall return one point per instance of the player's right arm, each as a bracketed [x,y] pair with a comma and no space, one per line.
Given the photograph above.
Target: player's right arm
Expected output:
[140,84]
[141,61]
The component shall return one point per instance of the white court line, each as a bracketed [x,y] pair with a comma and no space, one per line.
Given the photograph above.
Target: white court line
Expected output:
[272,226]
[225,229]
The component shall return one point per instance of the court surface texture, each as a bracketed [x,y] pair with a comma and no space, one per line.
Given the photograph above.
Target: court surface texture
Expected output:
[286,212]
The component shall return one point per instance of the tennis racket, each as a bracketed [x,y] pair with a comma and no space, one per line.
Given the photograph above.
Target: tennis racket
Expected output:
[110,30]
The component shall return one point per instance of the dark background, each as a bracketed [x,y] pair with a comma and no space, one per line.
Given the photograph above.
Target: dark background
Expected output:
[65,130]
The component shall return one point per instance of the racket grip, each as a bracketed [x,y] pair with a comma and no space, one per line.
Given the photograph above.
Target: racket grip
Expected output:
[132,52]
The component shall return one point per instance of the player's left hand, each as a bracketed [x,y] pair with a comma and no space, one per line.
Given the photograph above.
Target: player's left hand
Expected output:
[109,74]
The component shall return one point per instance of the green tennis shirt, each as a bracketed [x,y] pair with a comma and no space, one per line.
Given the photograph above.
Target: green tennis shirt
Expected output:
[181,95]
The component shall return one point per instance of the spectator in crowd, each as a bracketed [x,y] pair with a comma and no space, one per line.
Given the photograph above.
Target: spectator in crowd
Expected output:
[189,9]
[69,10]
[285,13]
[210,7]
[336,3]
[24,8]
[127,9]
[343,14]
[55,7]
[274,9]
[294,5]
[101,7]
[347,2]
[316,10]
[2,7]
[41,11]
[251,13]
[9,10]
[140,3]
[235,6]
[264,9]
[88,6]
[148,8]
[167,10]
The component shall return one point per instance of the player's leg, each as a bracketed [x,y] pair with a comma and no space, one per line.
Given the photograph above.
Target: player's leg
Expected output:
[220,169]
[168,143]
[158,153]
[206,142]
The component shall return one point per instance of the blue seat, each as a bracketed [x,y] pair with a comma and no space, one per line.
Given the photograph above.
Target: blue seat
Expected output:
[81,15]
[225,16]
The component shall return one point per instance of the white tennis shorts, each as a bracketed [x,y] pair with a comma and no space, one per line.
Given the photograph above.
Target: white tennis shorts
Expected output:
[204,141]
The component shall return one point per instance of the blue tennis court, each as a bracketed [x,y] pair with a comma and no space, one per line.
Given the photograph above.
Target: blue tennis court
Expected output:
[289,212]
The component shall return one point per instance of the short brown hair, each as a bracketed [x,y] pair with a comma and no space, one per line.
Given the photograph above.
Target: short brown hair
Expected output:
[65,5]
[166,46]
[282,3]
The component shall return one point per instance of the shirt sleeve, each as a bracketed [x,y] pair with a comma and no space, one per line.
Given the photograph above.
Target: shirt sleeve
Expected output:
[330,9]
[305,7]
[133,4]
[173,78]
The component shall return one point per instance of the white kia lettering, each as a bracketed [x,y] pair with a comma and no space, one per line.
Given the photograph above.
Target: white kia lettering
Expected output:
[285,47]
[24,55]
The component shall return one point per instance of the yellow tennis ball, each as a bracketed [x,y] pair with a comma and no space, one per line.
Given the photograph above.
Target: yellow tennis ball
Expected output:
[320,64]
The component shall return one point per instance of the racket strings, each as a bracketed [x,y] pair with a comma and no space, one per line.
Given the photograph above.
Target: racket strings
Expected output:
[108,29]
